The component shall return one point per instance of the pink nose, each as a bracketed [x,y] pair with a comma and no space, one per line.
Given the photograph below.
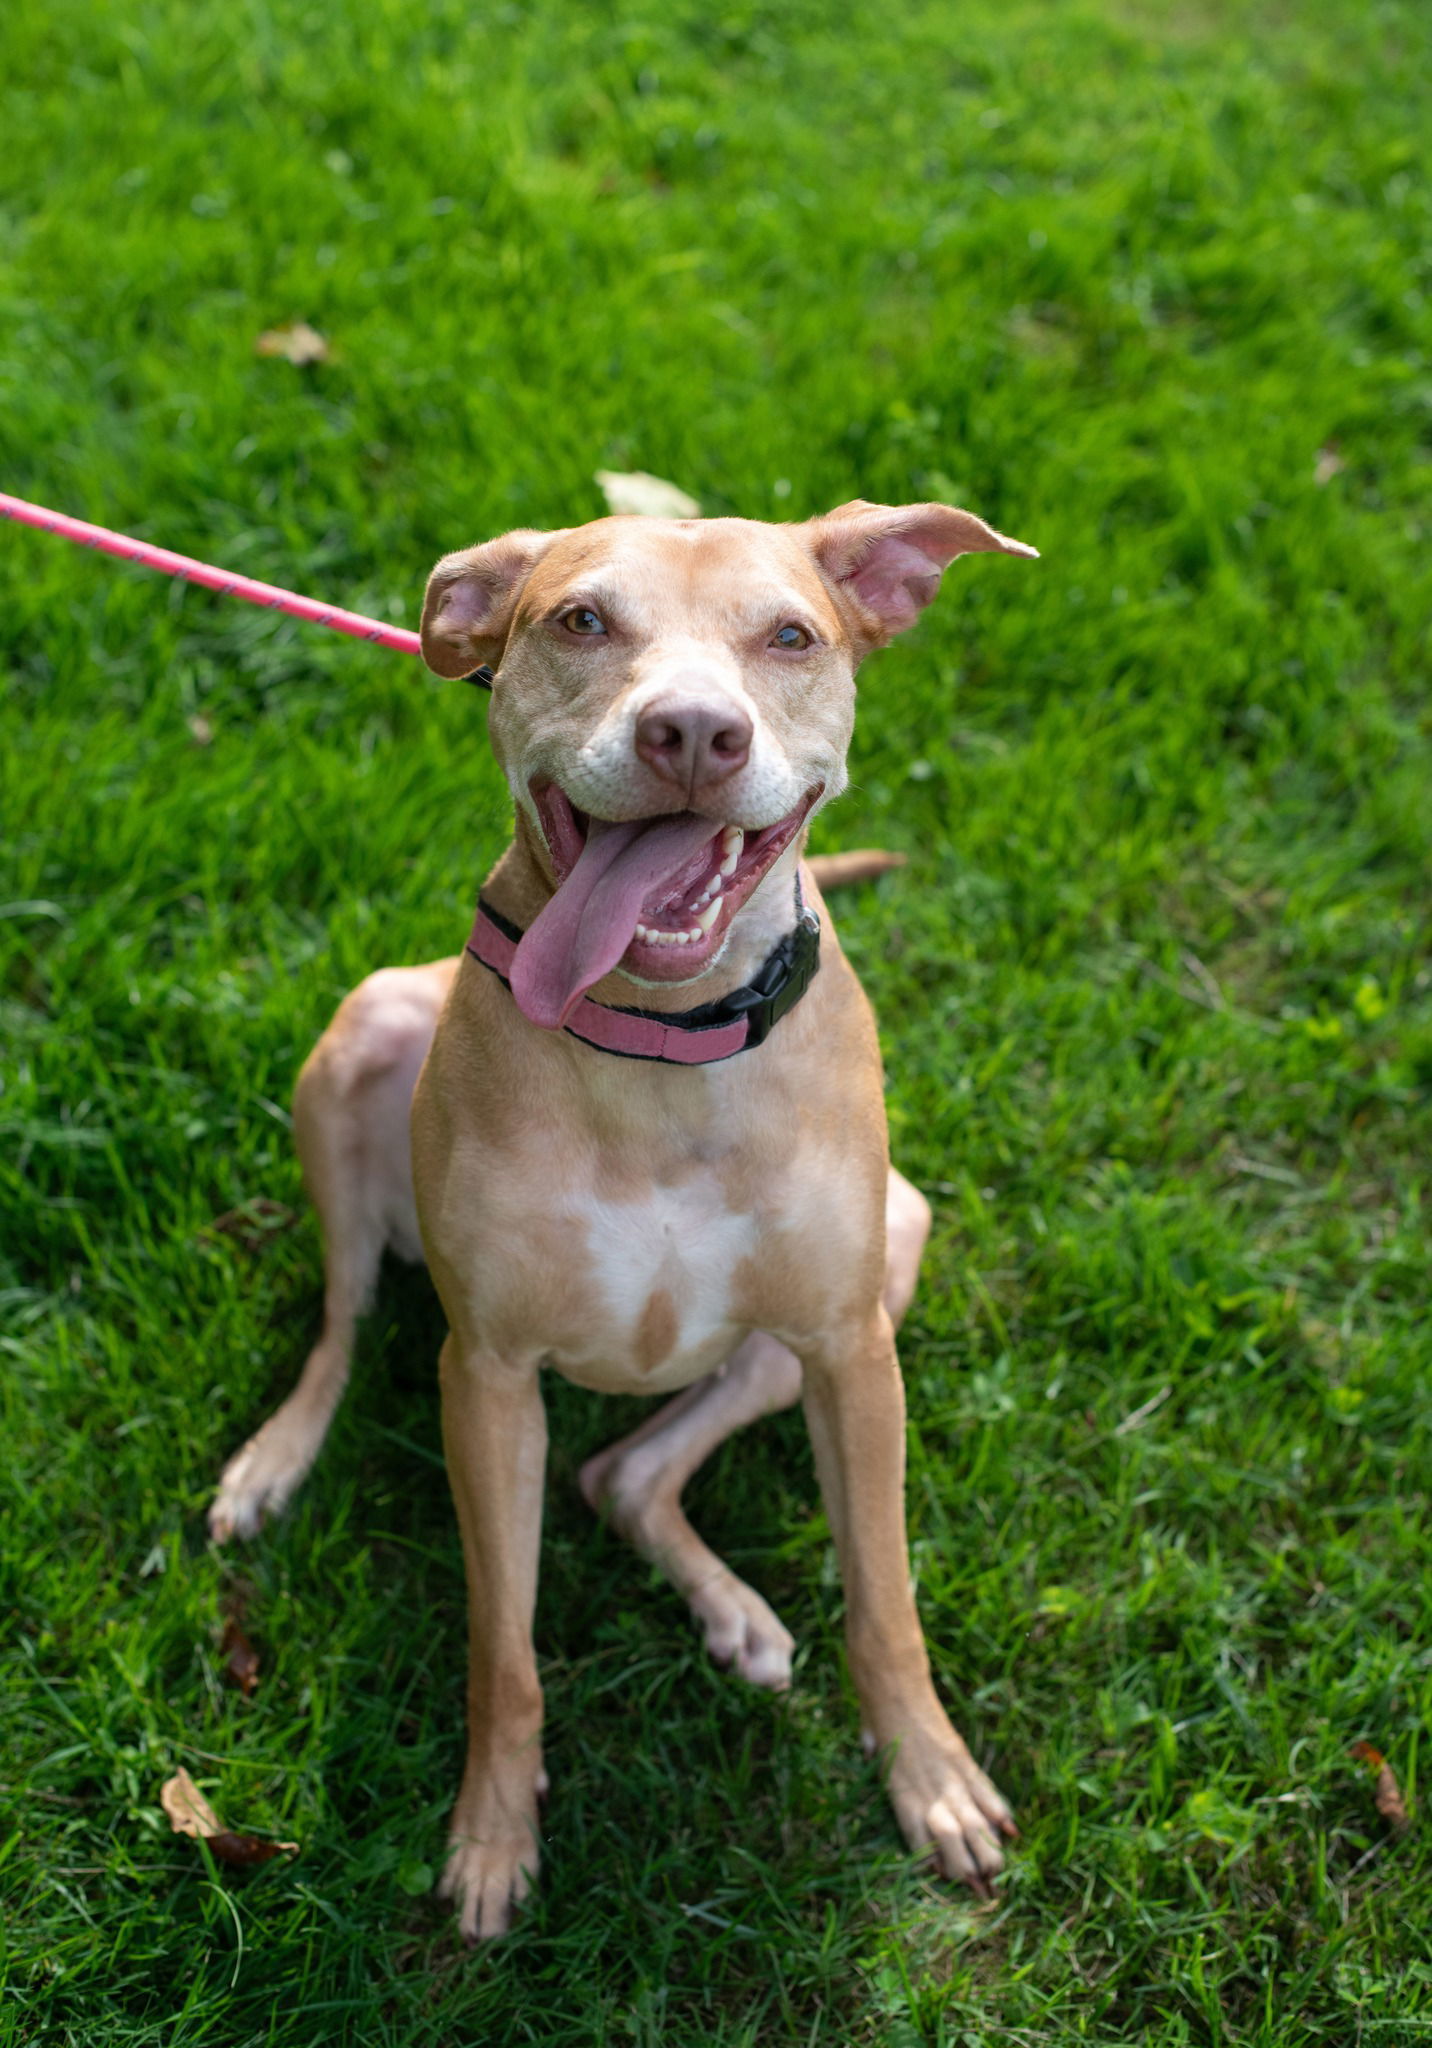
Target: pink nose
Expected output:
[693,743]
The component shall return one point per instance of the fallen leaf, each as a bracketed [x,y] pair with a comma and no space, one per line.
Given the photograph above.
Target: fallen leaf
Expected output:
[1386,1792]
[650,496]
[860,864]
[201,729]
[243,1851]
[241,1659]
[189,1811]
[298,343]
[191,1814]
[1326,463]
[252,1223]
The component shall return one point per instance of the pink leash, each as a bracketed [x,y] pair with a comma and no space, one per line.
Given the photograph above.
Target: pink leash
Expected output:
[223,580]
[619,1031]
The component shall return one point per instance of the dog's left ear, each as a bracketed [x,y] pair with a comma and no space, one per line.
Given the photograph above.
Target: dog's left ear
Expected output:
[471,597]
[888,559]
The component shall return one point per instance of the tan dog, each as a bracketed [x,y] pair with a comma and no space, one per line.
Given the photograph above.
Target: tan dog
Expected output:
[646,1205]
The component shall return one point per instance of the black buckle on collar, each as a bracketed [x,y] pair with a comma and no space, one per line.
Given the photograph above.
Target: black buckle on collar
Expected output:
[777,986]
[781,982]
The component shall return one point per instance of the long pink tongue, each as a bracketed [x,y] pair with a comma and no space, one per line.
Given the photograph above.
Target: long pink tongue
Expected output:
[593,917]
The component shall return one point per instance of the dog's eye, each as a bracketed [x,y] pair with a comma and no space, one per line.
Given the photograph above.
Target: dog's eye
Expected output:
[582,619]
[790,636]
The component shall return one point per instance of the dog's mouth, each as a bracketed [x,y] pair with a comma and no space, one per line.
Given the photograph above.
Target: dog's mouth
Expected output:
[655,895]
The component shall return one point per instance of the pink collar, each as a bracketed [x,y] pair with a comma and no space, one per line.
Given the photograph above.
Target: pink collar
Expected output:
[689,1038]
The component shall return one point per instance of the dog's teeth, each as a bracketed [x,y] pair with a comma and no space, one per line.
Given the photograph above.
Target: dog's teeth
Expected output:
[732,840]
[699,930]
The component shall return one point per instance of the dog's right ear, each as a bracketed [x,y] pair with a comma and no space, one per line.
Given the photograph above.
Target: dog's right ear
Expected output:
[471,597]
[887,560]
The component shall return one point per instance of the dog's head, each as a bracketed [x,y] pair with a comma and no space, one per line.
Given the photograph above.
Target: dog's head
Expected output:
[674,700]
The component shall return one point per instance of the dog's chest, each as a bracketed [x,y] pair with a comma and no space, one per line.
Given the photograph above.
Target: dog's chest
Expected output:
[660,1263]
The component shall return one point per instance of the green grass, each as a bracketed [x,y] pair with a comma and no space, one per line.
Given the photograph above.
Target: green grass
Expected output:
[1154,988]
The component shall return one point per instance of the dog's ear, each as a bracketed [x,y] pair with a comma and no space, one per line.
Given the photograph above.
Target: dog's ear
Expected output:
[888,559]
[471,597]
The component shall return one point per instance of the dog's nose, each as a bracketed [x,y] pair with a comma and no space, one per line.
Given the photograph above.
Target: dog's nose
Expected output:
[693,743]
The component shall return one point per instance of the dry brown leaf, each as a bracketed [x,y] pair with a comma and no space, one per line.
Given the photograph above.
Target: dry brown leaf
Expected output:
[1386,1792]
[189,1811]
[241,1659]
[860,864]
[243,1851]
[252,1223]
[651,496]
[298,343]
[191,1814]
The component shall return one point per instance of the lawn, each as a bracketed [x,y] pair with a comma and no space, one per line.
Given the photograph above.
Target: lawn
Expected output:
[1147,286]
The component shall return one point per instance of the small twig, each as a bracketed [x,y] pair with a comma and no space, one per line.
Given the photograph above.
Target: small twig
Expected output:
[1366,1858]
[1205,980]
[1217,1002]
[1263,1171]
[1141,1415]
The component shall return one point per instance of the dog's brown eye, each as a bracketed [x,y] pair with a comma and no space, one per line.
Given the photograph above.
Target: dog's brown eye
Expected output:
[791,636]
[582,619]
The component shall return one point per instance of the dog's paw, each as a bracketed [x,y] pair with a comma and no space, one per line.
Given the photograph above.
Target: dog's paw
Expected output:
[743,1633]
[487,1875]
[948,1809]
[258,1482]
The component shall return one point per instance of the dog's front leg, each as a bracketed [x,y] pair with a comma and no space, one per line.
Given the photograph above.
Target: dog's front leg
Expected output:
[855,1409]
[495,1441]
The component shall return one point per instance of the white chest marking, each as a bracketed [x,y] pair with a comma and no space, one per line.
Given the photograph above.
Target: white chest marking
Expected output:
[682,1240]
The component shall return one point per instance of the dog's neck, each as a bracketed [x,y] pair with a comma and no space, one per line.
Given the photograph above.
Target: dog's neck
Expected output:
[520,887]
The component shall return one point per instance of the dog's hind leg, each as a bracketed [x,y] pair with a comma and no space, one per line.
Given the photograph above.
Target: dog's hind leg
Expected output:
[639,1481]
[350,1121]
[907,1230]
